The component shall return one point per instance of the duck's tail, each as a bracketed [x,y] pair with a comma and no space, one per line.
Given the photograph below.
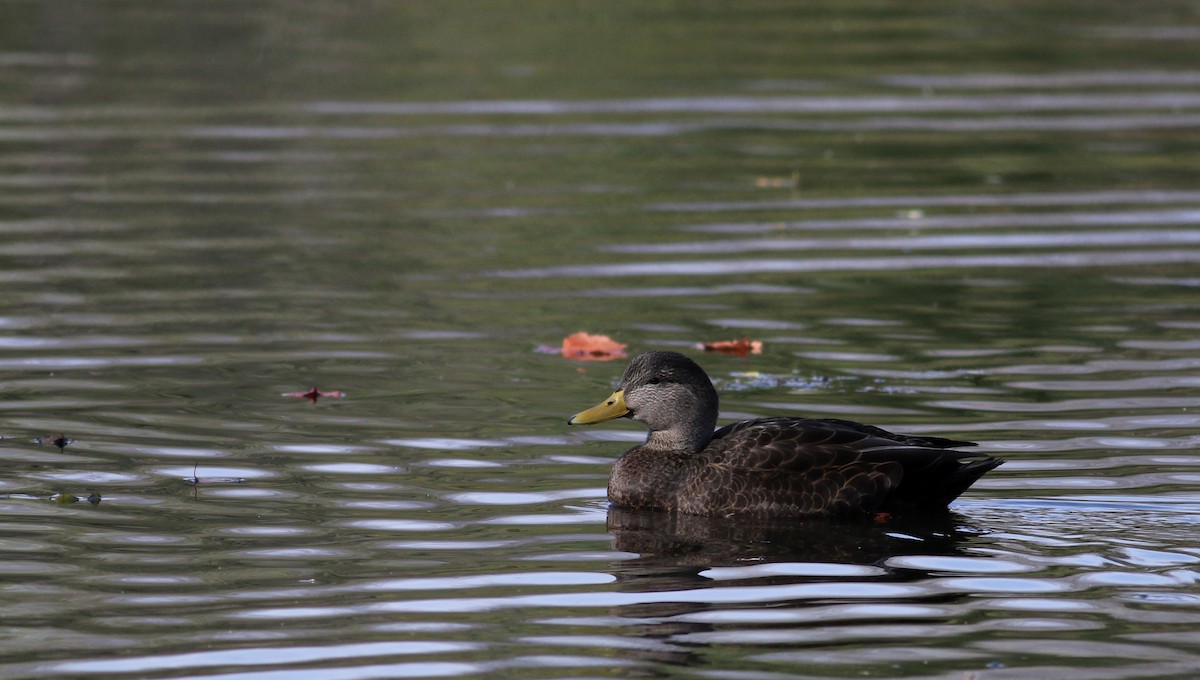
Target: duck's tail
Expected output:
[966,471]
[932,478]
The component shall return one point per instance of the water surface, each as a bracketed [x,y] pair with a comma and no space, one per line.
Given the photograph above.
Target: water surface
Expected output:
[956,219]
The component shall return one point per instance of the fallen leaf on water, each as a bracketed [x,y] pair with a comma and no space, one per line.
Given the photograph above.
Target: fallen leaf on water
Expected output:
[314,394]
[736,347]
[587,347]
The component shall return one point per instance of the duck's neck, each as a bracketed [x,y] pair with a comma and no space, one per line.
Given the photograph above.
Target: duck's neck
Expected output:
[686,439]
[687,426]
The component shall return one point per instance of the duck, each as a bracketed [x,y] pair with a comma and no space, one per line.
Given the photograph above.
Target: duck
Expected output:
[767,467]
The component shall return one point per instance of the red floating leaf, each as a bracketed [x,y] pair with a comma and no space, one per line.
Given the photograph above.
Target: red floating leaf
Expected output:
[587,347]
[736,347]
[60,441]
[314,394]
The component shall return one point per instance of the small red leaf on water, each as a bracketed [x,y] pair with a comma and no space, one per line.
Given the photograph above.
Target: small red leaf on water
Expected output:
[314,394]
[60,441]
[587,347]
[736,347]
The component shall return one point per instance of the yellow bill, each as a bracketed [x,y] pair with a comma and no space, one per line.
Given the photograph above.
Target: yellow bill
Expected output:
[613,407]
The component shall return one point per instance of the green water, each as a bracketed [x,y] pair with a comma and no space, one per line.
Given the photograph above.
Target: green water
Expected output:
[963,219]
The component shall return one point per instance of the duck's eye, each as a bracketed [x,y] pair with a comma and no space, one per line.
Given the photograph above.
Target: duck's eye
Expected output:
[653,381]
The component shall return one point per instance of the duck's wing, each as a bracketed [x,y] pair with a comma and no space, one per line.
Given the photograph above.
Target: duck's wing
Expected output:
[848,431]
[826,466]
[879,432]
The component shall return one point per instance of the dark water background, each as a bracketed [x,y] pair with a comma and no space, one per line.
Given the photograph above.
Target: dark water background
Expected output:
[970,219]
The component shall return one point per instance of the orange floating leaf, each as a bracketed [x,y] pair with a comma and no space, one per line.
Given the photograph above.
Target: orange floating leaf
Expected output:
[314,394]
[587,347]
[736,347]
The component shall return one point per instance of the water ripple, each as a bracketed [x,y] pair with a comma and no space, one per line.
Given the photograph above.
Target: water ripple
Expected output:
[1007,255]
[942,242]
[259,656]
[743,104]
[809,265]
[920,221]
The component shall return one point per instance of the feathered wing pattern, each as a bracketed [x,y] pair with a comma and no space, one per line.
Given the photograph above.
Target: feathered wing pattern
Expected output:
[796,466]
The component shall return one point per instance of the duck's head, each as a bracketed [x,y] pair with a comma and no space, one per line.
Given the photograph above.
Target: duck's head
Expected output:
[668,392]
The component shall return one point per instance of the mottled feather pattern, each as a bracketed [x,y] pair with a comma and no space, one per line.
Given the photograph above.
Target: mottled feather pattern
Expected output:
[796,466]
[788,466]
[828,466]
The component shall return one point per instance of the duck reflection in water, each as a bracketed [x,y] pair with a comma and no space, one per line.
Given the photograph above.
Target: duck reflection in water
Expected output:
[681,543]
[767,579]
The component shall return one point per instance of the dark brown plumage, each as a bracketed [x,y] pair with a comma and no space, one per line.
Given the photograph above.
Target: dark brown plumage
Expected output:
[769,466]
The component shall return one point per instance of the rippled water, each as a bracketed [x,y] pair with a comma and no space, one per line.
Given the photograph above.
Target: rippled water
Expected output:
[967,220]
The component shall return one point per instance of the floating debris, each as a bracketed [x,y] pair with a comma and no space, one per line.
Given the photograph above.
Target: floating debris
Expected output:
[196,480]
[740,348]
[64,498]
[60,441]
[790,182]
[314,394]
[583,346]
[756,380]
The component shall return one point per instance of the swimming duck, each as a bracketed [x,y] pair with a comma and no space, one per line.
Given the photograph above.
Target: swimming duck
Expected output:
[780,467]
